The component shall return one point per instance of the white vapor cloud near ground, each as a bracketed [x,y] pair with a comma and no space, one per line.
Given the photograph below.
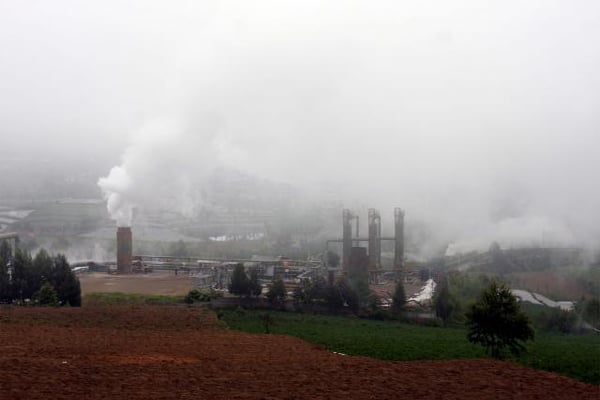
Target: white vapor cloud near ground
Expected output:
[479,118]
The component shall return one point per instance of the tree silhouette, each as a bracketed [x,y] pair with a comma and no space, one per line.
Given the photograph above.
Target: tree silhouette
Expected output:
[240,284]
[444,302]
[399,298]
[5,259]
[254,286]
[276,294]
[65,282]
[496,321]
[46,296]
[28,275]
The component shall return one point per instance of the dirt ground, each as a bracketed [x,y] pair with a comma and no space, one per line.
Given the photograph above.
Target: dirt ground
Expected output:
[185,353]
[165,283]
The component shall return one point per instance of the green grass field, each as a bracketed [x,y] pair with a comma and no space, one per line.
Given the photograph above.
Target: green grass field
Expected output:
[575,356]
[115,299]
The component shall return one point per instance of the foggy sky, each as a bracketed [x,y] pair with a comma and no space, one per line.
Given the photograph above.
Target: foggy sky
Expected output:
[481,119]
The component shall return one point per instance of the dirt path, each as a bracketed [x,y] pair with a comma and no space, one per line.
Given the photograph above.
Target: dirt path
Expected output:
[184,353]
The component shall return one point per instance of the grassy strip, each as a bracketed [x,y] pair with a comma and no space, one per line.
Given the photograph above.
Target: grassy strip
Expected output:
[387,340]
[575,356]
[117,298]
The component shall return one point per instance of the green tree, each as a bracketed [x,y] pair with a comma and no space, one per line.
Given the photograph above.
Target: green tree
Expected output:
[240,284]
[65,282]
[444,302]
[30,274]
[43,265]
[332,297]
[316,289]
[5,258]
[198,296]
[276,294]
[254,286]
[319,293]
[46,296]
[589,311]
[399,298]
[21,285]
[5,251]
[496,321]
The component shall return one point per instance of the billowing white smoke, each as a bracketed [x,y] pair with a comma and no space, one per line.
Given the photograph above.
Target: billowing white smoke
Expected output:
[489,148]
[165,166]
[526,231]
[115,188]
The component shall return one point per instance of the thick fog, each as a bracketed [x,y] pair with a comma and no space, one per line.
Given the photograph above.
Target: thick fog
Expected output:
[479,119]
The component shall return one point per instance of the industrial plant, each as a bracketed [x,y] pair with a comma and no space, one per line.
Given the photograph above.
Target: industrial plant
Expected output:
[360,258]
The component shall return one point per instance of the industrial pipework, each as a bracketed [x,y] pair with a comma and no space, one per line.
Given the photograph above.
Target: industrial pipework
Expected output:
[374,239]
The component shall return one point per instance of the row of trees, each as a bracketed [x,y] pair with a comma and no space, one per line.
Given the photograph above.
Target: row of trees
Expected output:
[43,279]
[317,294]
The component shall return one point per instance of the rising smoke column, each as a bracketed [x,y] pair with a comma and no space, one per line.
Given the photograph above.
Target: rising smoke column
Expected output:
[115,188]
[165,167]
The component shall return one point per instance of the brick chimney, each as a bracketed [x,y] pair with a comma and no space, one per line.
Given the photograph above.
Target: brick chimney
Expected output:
[124,246]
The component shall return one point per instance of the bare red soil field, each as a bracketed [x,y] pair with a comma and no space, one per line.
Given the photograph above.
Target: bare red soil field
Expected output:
[185,353]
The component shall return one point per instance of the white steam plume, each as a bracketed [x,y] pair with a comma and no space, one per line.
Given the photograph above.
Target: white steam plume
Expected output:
[482,132]
[115,189]
[165,166]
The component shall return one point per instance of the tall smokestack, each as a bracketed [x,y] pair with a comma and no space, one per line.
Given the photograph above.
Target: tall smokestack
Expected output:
[399,236]
[374,239]
[124,250]
[346,238]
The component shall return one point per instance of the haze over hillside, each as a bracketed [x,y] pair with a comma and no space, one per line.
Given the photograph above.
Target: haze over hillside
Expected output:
[480,120]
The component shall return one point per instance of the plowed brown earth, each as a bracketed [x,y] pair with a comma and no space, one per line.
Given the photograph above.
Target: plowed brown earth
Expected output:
[184,353]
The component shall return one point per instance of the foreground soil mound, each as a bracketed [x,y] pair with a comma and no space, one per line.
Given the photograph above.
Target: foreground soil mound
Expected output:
[185,353]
